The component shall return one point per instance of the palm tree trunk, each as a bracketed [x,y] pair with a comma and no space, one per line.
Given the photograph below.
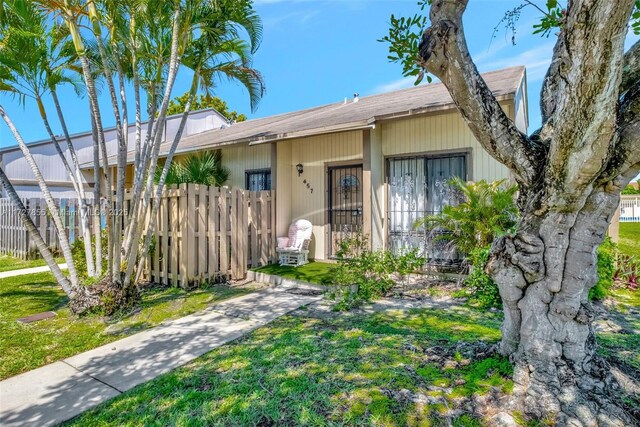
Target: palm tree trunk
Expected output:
[65,162]
[97,199]
[106,173]
[165,170]
[76,179]
[116,237]
[55,213]
[153,159]
[97,122]
[140,176]
[61,279]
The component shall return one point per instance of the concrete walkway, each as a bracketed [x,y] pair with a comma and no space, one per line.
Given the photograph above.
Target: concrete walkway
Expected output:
[13,273]
[64,389]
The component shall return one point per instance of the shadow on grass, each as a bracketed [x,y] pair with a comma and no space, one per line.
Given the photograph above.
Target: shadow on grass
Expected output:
[29,294]
[301,371]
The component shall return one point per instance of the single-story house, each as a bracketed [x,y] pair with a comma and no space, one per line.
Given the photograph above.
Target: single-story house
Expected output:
[373,164]
[15,165]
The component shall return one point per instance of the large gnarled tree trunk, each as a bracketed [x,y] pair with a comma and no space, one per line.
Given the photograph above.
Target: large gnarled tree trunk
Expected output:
[570,174]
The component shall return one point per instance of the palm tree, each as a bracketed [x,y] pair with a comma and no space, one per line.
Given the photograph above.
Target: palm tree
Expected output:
[145,41]
[55,213]
[23,73]
[487,210]
[66,285]
[212,50]
[201,168]
[36,57]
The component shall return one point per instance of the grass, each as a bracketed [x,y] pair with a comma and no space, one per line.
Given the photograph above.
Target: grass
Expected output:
[8,263]
[306,370]
[27,346]
[630,238]
[314,272]
[623,348]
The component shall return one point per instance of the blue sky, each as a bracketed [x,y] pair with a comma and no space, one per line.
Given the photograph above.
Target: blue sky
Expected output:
[317,52]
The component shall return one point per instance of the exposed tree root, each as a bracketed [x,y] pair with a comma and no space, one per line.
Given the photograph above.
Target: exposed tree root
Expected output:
[556,393]
[105,297]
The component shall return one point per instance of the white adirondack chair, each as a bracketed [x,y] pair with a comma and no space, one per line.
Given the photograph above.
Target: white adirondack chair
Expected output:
[294,250]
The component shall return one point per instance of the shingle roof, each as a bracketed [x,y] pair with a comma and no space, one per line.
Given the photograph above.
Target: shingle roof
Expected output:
[340,116]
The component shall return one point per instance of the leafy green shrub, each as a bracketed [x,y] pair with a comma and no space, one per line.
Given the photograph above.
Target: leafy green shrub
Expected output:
[479,288]
[487,210]
[363,275]
[607,252]
[80,259]
[632,189]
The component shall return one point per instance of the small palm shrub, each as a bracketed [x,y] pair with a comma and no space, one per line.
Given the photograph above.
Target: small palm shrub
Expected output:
[487,210]
[201,168]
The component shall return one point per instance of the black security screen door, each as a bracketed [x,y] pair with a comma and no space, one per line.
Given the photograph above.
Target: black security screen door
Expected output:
[417,186]
[345,204]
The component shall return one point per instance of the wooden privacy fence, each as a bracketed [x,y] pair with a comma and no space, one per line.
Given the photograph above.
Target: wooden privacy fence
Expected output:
[202,233]
[205,233]
[14,238]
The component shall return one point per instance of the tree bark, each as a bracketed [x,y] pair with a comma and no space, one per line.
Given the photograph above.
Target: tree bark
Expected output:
[65,247]
[82,197]
[61,279]
[136,229]
[544,273]
[570,174]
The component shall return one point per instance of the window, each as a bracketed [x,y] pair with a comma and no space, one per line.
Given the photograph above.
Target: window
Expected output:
[258,180]
[417,187]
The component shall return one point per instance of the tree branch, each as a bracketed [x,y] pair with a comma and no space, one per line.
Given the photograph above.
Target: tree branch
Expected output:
[444,53]
[631,68]
[579,98]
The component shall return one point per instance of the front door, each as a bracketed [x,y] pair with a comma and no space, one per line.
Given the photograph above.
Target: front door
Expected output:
[345,204]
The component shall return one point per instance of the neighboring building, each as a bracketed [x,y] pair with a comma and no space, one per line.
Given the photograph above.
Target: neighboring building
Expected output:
[374,164]
[15,166]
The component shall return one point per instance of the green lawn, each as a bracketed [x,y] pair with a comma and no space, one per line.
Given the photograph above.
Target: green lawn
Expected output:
[314,272]
[11,263]
[27,346]
[630,238]
[309,370]
[339,369]
[623,347]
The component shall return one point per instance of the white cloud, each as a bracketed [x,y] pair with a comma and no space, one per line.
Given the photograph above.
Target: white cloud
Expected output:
[403,83]
[536,60]
[503,40]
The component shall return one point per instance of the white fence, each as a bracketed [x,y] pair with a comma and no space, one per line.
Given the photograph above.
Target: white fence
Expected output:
[630,208]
